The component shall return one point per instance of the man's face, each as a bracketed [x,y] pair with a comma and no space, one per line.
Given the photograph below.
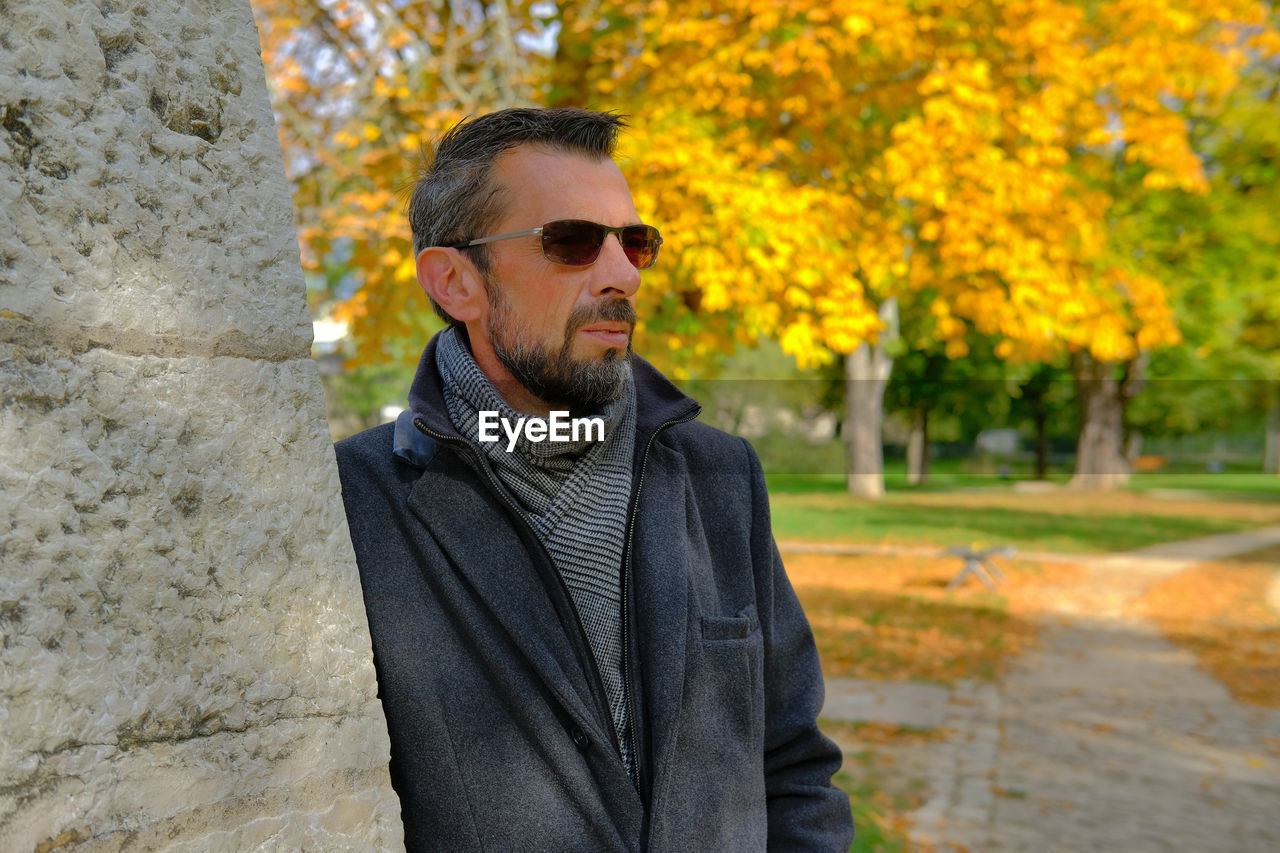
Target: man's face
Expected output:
[562,332]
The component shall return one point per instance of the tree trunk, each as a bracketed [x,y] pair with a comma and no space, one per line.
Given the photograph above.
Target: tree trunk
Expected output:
[1132,448]
[1100,462]
[1271,456]
[918,449]
[1042,440]
[867,371]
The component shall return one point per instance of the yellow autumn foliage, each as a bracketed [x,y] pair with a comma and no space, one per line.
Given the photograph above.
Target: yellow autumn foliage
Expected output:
[804,160]
[358,89]
[959,149]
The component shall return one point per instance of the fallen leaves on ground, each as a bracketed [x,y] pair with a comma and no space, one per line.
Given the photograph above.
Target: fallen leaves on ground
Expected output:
[1218,611]
[893,618]
[881,733]
[879,811]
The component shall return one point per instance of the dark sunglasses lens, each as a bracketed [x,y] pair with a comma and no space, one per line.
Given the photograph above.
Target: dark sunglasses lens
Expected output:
[577,243]
[641,243]
[573,242]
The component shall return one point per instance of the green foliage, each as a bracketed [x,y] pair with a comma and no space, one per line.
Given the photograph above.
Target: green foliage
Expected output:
[962,395]
[1219,254]
[356,396]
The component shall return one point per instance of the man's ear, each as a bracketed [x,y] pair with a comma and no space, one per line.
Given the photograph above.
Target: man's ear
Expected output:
[452,281]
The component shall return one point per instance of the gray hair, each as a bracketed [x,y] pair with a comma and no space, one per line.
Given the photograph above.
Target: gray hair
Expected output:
[454,199]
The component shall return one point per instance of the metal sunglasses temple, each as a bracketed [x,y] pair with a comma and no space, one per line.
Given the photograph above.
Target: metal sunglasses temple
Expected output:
[482,240]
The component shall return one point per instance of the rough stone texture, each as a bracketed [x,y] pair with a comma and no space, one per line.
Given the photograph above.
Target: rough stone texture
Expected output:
[145,203]
[184,657]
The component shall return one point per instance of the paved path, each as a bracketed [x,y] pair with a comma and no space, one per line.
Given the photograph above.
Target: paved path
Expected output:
[1105,738]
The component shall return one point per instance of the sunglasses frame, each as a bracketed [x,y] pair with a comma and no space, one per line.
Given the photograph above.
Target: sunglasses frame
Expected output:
[538,232]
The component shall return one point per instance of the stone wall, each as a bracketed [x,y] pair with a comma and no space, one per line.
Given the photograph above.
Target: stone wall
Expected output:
[184,658]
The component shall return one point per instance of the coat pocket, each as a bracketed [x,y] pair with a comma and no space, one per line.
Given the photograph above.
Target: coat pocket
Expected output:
[722,628]
[730,676]
[720,755]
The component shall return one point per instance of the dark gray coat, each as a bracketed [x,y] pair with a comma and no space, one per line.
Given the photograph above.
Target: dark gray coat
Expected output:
[501,737]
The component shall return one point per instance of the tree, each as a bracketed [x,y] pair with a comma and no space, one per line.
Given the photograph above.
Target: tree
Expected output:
[961,396]
[965,149]
[1219,253]
[1143,164]
[1042,396]
[359,87]
[814,166]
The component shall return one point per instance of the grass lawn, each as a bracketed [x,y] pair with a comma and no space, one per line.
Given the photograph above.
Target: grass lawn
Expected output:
[947,475]
[817,509]
[877,819]
[890,617]
[1246,485]
[884,780]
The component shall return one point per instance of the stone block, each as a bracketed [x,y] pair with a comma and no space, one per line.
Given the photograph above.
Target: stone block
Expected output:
[184,641]
[184,657]
[146,207]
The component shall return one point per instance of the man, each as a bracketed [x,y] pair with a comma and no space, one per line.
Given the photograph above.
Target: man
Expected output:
[585,644]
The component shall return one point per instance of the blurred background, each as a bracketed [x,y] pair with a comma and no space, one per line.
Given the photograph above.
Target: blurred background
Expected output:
[965,272]
[973,239]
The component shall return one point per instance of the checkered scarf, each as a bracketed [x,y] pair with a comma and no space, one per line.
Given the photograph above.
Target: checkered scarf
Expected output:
[574,494]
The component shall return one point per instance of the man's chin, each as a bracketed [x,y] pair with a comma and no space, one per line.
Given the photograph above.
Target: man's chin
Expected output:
[583,377]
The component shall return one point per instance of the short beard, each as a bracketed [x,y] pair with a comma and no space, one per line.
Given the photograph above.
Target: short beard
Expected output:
[556,378]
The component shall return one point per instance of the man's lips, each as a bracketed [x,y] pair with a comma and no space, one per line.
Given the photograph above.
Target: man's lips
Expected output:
[614,334]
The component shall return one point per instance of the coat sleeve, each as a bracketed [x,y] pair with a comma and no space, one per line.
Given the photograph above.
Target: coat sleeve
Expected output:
[806,812]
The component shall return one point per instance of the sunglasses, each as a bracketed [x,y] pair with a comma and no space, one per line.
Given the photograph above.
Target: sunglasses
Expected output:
[577,242]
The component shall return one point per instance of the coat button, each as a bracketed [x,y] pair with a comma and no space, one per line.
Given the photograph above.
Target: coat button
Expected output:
[580,739]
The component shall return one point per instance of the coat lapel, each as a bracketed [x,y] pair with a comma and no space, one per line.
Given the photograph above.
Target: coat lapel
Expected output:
[473,529]
[661,604]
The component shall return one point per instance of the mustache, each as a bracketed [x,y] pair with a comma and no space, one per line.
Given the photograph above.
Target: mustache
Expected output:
[613,311]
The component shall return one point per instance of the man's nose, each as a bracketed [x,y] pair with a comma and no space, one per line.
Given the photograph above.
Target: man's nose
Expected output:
[613,270]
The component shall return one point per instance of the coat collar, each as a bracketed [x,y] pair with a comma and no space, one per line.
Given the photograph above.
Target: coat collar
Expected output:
[658,401]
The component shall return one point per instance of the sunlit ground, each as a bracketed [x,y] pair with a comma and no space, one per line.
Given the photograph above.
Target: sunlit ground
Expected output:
[890,617]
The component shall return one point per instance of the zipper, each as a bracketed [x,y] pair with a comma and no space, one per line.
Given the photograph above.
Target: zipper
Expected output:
[627,677]
[502,493]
